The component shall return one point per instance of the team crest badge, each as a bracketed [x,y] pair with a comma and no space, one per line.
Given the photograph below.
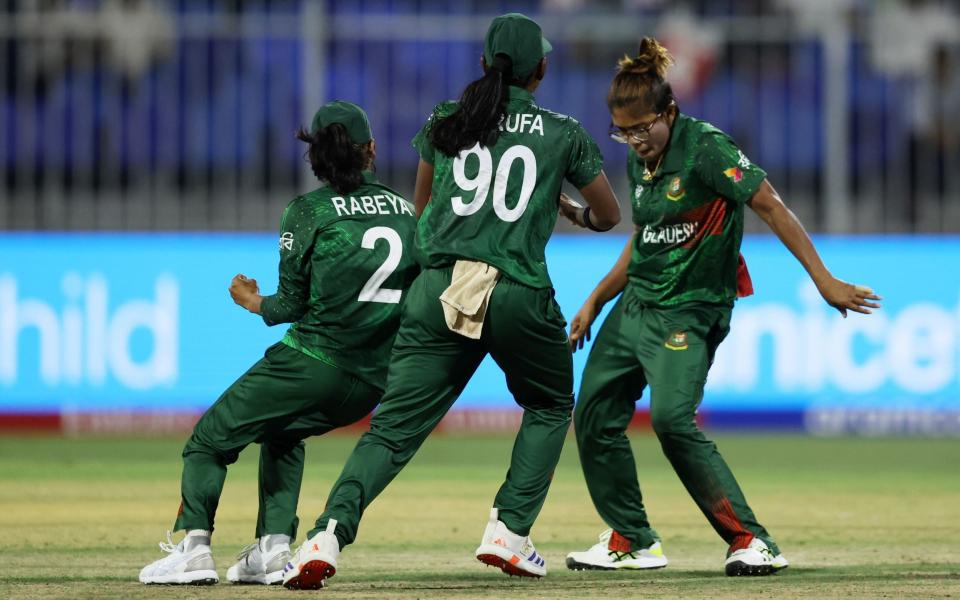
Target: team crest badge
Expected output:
[676,191]
[677,341]
[734,173]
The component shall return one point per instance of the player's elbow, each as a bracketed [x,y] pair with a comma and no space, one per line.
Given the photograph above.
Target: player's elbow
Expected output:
[605,216]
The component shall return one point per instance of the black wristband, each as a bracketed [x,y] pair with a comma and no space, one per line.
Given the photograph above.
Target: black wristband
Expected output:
[589,224]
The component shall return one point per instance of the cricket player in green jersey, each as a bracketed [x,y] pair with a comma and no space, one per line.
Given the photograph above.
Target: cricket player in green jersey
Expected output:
[345,265]
[680,274]
[488,188]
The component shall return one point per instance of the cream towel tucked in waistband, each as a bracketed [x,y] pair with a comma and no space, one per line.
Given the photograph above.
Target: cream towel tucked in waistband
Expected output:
[465,301]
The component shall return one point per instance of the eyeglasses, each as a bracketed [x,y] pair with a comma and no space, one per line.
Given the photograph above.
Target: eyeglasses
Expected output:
[641,133]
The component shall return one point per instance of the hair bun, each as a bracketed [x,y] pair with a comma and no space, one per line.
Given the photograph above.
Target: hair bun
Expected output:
[652,59]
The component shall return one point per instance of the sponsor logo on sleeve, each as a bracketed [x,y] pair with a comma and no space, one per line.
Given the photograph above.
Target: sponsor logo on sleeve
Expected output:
[744,161]
[734,173]
[286,240]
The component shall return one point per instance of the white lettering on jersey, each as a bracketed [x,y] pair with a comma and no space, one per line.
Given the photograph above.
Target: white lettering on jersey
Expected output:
[537,125]
[286,240]
[370,205]
[393,200]
[669,234]
[522,123]
[744,161]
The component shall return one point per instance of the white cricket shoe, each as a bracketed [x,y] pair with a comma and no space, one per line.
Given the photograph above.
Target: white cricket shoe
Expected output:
[511,553]
[602,557]
[262,562]
[314,562]
[755,559]
[187,563]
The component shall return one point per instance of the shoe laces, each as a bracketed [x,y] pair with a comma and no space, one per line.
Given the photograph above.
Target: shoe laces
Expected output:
[247,550]
[605,536]
[764,550]
[169,547]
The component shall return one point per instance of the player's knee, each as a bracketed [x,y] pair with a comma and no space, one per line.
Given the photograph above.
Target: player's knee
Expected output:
[666,424]
[199,447]
[282,446]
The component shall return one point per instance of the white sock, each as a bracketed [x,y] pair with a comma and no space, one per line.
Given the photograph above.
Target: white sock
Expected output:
[196,537]
[272,540]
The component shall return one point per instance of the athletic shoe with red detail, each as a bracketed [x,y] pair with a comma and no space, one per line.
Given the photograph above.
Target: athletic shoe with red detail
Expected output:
[614,551]
[511,553]
[756,559]
[314,562]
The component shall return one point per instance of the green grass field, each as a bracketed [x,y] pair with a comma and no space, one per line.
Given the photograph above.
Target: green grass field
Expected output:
[856,517]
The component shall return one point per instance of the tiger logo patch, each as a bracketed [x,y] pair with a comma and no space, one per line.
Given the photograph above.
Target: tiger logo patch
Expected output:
[676,191]
[677,341]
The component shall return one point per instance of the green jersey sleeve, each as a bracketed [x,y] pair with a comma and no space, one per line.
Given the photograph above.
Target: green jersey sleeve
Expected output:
[586,161]
[297,232]
[724,168]
[421,141]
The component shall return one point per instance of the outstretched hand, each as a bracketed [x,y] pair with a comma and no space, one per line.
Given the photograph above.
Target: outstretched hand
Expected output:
[845,296]
[580,325]
[245,292]
[571,210]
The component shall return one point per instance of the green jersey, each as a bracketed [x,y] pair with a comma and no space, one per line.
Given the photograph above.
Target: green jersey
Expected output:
[689,217]
[498,204]
[345,261]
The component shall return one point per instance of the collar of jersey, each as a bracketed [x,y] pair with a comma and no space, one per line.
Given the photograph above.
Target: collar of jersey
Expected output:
[369,177]
[518,95]
[673,161]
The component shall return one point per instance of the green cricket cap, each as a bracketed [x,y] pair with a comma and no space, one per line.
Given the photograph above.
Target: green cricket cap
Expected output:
[347,114]
[519,37]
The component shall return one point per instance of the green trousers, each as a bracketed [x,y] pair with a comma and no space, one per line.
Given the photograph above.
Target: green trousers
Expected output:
[284,398]
[670,350]
[524,333]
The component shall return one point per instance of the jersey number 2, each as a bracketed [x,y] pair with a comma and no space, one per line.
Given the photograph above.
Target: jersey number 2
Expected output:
[480,184]
[372,290]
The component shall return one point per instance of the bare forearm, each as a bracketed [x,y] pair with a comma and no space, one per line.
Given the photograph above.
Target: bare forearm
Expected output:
[253,303]
[839,294]
[614,281]
[786,226]
[423,188]
[604,207]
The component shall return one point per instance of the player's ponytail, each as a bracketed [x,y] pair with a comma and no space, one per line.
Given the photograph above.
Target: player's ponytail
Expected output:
[334,157]
[481,108]
[640,79]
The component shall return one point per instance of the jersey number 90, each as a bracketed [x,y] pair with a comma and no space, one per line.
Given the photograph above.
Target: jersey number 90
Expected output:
[480,184]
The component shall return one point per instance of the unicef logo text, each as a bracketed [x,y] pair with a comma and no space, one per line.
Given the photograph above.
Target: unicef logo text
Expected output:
[84,339]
